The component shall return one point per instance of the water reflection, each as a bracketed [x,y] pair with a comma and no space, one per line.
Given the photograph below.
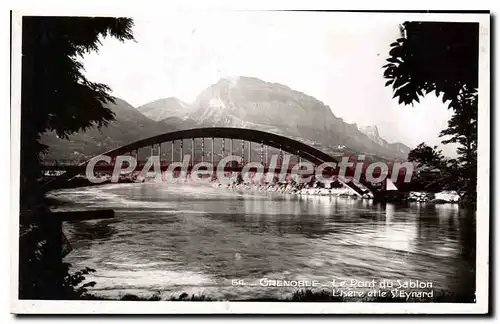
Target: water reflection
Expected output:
[196,239]
[87,232]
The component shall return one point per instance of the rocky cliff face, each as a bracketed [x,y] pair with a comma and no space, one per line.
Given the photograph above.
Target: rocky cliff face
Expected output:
[248,102]
[253,103]
[373,134]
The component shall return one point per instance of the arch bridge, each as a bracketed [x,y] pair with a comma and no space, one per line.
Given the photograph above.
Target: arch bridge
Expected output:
[207,135]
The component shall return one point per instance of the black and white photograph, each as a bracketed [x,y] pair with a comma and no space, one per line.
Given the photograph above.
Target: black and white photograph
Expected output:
[196,161]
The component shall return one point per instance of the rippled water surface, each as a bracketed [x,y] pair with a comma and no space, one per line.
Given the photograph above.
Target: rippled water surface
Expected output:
[178,238]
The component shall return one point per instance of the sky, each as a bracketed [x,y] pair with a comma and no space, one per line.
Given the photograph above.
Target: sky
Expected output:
[336,58]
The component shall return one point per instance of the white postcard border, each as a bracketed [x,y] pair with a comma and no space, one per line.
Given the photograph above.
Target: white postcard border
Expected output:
[174,307]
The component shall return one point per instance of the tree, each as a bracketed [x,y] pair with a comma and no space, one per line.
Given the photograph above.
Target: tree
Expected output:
[56,95]
[442,57]
[427,156]
[462,130]
[433,56]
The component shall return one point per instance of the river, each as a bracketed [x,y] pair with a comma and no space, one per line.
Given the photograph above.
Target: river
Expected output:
[173,238]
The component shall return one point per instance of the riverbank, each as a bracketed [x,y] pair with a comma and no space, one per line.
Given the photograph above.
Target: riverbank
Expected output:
[334,189]
[324,295]
[339,191]
[289,188]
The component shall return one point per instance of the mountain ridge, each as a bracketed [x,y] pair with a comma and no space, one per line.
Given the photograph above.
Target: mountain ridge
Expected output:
[373,133]
[242,102]
[164,107]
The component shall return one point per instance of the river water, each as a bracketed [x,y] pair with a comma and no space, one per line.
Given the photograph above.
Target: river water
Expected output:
[173,238]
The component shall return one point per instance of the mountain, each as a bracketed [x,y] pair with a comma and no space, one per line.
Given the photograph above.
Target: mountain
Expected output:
[129,126]
[237,102]
[164,108]
[252,103]
[372,132]
[400,147]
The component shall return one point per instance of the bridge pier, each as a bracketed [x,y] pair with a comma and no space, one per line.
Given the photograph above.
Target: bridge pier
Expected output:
[223,147]
[262,153]
[242,151]
[249,151]
[202,149]
[280,157]
[267,155]
[182,149]
[213,140]
[173,150]
[192,151]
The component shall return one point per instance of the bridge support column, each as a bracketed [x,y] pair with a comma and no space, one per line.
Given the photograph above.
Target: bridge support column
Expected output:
[249,151]
[202,149]
[262,153]
[231,146]
[223,147]
[267,155]
[192,152]
[159,152]
[280,157]
[242,151]
[173,150]
[213,141]
[182,149]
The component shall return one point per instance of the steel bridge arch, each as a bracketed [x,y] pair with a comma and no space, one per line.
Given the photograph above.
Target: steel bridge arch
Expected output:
[277,141]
